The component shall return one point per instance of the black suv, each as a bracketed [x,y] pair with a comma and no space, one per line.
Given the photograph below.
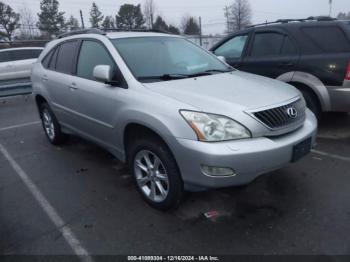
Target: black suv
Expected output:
[311,54]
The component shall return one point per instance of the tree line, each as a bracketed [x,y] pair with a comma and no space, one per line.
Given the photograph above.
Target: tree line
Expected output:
[50,21]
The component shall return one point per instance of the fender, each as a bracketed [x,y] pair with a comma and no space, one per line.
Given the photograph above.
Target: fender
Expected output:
[312,82]
[160,126]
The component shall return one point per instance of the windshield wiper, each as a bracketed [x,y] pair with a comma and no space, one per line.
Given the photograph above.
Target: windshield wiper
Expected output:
[164,77]
[219,70]
[167,77]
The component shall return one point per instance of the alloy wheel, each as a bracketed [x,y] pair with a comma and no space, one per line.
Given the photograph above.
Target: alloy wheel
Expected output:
[48,124]
[151,176]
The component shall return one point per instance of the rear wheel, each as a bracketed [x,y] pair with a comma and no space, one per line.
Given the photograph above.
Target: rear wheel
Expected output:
[51,126]
[155,173]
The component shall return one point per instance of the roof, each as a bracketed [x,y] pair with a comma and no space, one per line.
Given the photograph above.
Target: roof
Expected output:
[21,48]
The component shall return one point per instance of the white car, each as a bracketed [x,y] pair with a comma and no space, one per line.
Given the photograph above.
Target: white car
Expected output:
[15,67]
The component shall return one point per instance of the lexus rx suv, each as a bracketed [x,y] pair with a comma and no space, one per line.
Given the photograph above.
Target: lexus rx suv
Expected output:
[311,54]
[180,117]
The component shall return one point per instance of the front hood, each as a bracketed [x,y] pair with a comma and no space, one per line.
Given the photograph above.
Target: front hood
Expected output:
[220,92]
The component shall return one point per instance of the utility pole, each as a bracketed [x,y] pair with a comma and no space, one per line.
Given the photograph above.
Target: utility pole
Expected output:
[152,20]
[200,31]
[82,19]
[330,7]
[227,19]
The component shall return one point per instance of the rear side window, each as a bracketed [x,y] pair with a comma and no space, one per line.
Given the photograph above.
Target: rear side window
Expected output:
[52,64]
[288,47]
[91,55]
[5,57]
[267,44]
[45,62]
[66,56]
[25,54]
[233,48]
[328,39]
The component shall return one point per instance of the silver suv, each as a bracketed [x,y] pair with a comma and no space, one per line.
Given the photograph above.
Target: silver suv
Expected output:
[180,117]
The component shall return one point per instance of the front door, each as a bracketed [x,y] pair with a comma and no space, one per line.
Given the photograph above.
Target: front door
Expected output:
[270,54]
[233,50]
[95,103]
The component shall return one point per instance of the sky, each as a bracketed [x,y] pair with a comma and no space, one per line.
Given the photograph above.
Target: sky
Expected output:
[211,11]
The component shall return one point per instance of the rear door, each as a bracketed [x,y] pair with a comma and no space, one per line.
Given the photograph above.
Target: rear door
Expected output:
[271,53]
[233,49]
[58,78]
[326,52]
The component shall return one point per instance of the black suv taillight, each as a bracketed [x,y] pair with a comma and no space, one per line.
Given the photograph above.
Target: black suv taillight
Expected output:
[347,75]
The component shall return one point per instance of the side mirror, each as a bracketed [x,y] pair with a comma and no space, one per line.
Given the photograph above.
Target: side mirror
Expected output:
[222,59]
[103,73]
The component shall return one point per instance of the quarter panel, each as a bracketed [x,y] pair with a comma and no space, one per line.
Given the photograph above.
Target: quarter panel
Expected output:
[316,85]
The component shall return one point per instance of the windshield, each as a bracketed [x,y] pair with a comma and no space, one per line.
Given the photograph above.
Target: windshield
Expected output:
[166,58]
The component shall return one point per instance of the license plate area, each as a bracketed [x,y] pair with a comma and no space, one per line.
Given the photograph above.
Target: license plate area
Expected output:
[302,149]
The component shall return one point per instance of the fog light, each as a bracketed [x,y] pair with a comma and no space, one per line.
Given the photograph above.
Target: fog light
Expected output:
[217,171]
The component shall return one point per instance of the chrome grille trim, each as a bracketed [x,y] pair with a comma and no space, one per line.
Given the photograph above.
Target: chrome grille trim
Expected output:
[277,118]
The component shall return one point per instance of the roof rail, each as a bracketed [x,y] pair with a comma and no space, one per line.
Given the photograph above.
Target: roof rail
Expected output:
[286,21]
[134,30]
[83,31]
[102,31]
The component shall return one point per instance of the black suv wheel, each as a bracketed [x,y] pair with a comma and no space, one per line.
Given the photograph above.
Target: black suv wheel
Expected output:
[312,103]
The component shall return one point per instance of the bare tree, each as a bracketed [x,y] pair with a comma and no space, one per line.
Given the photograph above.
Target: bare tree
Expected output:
[239,15]
[9,21]
[28,22]
[149,11]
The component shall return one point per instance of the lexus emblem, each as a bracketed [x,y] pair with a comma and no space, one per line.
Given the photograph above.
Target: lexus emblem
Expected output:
[292,112]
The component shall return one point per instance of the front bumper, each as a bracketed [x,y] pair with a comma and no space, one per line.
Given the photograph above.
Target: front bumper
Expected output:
[250,158]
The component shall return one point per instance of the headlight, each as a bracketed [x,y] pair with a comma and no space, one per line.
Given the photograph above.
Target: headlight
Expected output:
[214,128]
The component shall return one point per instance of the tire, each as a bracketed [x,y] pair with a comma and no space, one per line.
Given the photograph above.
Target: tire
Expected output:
[167,180]
[51,126]
[312,103]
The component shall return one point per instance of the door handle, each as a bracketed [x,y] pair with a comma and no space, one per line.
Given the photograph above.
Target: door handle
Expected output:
[73,86]
[44,78]
[287,64]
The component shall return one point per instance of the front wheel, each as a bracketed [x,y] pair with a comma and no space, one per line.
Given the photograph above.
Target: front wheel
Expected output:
[156,174]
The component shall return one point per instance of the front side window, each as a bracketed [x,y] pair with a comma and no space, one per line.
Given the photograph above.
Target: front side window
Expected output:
[233,48]
[153,57]
[65,58]
[91,55]
[267,44]
[5,57]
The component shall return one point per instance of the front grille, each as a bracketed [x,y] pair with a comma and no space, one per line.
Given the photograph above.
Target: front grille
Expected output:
[283,116]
